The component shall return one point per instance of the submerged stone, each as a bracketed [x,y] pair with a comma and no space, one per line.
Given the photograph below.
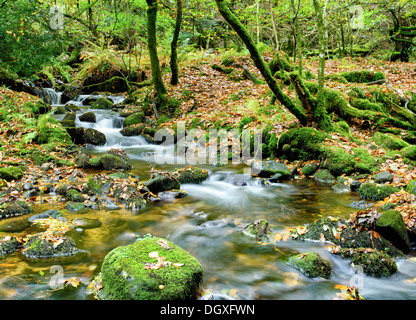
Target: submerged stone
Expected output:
[41,247]
[259,229]
[149,269]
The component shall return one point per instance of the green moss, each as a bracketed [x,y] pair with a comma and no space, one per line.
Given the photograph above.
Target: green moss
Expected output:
[363,76]
[389,141]
[376,264]
[134,118]
[324,176]
[259,230]
[11,173]
[301,144]
[191,175]
[124,276]
[392,227]
[365,163]
[312,265]
[74,196]
[338,161]
[409,152]
[102,103]
[245,121]
[111,162]
[309,169]
[50,130]
[372,191]
[411,187]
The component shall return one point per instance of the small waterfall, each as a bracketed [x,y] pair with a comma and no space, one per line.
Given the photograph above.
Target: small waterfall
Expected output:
[50,96]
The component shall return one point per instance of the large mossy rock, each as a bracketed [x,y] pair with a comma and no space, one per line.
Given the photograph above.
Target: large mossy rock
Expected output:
[102,103]
[88,117]
[15,209]
[372,191]
[389,141]
[338,161]
[134,273]
[324,176]
[411,187]
[134,118]
[190,175]
[110,162]
[161,183]
[51,131]
[11,173]
[95,137]
[312,265]
[259,230]
[392,227]
[41,247]
[301,144]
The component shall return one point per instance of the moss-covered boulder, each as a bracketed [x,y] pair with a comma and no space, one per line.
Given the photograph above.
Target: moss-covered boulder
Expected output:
[392,227]
[74,206]
[94,137]
[162,182]
[344,233]
[14,209]
[372,191]
[8,245]
[74,196]
[269,168]
[102,103]
[411,187]
[88,117]
[51,131]
[309,169]
[259,230]
[133,130]
[363,76]
[112,162]
[365,163]
[324,176]
[375,263]
[409,152]
[312,265]
[149,269]
[389,141]
[40,246]
[338,161]
[11,173]
[134,118]
[191,175]
[301,144]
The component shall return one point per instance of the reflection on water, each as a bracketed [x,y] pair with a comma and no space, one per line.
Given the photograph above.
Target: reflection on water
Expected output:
[208,224]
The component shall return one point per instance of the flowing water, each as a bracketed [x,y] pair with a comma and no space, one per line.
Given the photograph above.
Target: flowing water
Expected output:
[208,223]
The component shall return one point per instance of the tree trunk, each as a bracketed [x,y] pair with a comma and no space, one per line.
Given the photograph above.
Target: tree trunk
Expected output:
[321,41]
[152,45]
[174,54]
[260,63]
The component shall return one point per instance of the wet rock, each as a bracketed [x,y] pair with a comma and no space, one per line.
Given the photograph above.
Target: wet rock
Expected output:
[110,162]
[135,118]
[190,175]
[129,273]
[362,204]
[46,166]
[312,265]
[102,103]
[341,187]
[41,247]
[162,183]
[392,227]
[383,177]
[94,137]
[88,117]
[74,206]
[324,176]
[49,214]
[371,191]
[81,160]
[17,208]
[31,193]
[309,169]
[355,185]
[267,169]
[170,195]
[8,245]
[74,196]
[86,223]
[375,263]
[11,173]
[259,229]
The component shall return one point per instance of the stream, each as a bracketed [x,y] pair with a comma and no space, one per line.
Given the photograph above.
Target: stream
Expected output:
[208,223]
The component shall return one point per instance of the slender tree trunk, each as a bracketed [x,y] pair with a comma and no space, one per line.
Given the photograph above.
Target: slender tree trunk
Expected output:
[152,45]
[260,63]
[321,40]
[174,54]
